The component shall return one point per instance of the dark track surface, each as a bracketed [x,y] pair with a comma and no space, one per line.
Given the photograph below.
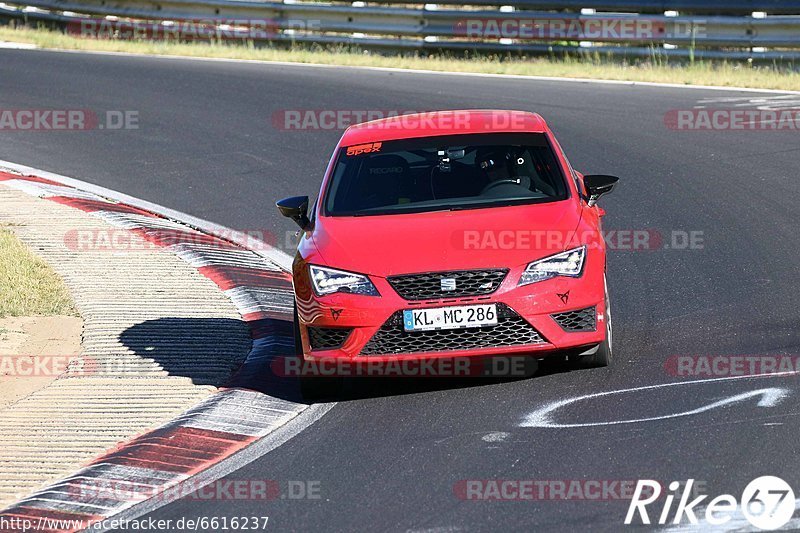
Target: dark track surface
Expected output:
[387,460]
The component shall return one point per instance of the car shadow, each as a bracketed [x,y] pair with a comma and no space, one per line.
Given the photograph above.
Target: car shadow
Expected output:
[205,350]
[222,353]
[365,388]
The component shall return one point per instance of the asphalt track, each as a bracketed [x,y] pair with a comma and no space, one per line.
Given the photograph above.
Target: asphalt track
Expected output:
[387,457]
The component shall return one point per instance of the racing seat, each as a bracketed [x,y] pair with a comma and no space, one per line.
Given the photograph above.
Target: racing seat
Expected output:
[381,181]
[461,182]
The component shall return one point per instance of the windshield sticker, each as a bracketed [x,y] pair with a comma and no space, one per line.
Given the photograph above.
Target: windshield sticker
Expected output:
[368,148]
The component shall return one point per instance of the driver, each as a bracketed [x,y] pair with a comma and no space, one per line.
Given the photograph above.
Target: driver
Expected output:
[493,163]
[501,166]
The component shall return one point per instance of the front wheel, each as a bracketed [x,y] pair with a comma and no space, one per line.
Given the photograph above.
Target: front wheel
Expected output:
[298,343]
[603,356]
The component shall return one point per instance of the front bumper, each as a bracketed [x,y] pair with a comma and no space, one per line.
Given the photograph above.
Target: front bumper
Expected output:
[362,319]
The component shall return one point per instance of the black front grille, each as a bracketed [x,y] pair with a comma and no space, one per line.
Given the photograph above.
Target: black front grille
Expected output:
[428,286]
[577,320]
[511,330]
[327,338]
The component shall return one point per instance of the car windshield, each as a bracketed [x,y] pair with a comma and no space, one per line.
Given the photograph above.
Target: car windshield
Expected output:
[444,173]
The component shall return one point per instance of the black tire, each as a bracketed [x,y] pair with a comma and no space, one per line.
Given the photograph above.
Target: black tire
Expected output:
[604,354]
[298,343]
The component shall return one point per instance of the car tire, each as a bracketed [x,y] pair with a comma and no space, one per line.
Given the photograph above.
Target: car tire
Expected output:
[314,388]
[298,343]
[604,354]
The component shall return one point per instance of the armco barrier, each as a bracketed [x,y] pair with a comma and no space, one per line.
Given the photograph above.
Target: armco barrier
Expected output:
[728,7]
[702,29]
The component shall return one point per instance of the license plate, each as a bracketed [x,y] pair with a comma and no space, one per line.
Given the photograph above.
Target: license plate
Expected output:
[465,316]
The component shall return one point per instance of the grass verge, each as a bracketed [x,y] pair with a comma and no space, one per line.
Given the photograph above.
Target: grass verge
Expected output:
[28,286]
[655,69]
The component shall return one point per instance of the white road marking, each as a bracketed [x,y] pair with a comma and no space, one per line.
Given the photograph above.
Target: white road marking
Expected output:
[10,45]
[497,436]
[770,396]
[44,190]
[771,103]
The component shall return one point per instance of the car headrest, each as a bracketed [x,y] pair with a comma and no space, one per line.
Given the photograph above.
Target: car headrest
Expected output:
[386,166]
[487,158]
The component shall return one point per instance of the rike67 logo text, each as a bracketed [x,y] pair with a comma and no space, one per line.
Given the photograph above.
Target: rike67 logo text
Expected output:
[767,503]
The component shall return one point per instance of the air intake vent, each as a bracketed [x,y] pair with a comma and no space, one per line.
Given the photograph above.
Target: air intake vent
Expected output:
[578,320]
[327,338]
[511,330]
[453,284]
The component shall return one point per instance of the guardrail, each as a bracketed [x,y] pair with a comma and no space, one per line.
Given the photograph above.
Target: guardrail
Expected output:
[472,27]
[727,7]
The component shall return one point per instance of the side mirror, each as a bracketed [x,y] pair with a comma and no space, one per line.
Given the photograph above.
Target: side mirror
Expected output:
[295,208]
[597,185]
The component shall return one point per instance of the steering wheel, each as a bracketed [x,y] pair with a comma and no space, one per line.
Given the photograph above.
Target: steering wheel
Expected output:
[493,184]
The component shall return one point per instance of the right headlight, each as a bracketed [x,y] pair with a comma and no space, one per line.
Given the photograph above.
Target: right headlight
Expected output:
[569,263]
[329,280]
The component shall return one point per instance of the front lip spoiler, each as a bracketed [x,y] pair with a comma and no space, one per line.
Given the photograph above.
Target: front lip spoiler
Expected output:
[590,351]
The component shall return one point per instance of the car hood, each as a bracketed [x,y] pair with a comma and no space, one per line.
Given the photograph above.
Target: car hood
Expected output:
[387,245]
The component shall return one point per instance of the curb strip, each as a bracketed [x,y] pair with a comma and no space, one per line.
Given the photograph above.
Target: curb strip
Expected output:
[226,423]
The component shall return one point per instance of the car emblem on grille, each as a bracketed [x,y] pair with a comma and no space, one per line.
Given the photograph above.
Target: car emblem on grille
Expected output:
[448,284]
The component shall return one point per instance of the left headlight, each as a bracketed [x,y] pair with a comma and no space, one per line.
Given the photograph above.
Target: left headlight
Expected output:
[569,263]
[329,280]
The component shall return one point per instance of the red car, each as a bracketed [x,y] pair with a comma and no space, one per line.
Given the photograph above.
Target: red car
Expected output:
[451,234]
